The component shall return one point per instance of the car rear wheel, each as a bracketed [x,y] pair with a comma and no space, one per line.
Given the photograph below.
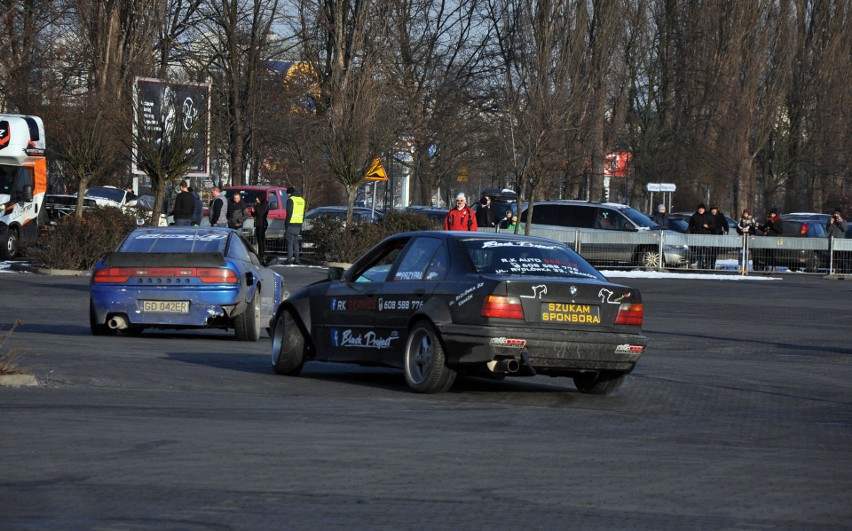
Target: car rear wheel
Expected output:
[247,324]
[425,361]
[98,329]
[648,258]
[598,383]
[288,345]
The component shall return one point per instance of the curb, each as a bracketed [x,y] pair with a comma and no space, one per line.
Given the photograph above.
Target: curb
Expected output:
[17,380]
[51,272]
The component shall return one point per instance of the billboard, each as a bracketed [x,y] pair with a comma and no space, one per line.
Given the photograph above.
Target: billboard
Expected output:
[617,164]
[163,106]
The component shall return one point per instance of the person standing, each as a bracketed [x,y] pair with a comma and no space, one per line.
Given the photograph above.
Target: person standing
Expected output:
[218,209]
[720,227]
[198,211]
[485,215]
[746,226]
[836,228]
[293,224]
[237,211]
[508,222]
[701,222]
[461,217]
[184,206]
[260,213]
[772,227]
[660,217]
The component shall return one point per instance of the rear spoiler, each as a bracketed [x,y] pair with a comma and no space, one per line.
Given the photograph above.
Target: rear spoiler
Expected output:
[118,259]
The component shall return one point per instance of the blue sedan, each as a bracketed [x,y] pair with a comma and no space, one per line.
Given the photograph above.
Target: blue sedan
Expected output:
[183,277]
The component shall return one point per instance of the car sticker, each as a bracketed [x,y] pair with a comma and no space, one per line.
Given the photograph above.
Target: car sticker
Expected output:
[347,338]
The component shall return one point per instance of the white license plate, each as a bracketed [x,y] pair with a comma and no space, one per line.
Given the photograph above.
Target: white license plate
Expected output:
[166,306]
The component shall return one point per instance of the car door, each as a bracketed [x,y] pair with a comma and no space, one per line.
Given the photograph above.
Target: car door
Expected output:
[414,277]
[348,326]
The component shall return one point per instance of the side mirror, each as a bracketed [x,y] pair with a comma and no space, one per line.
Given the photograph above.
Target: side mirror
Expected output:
[28,192]
[629,227]
[335,273]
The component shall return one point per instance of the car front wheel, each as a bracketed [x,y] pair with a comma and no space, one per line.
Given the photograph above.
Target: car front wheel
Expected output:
[288,345]
[425,361]
[598,383]
[648,258]
[10,245]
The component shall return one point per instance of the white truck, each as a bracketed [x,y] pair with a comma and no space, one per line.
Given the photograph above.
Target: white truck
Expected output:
[23,181]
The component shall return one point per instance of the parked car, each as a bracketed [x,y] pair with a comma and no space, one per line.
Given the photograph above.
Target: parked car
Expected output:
[441,303]
[435,215]
[797,225]
[58,206]
[359,215]
[183,277]
[590,216]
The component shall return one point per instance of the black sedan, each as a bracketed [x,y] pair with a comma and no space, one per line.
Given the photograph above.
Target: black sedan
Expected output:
[437,304]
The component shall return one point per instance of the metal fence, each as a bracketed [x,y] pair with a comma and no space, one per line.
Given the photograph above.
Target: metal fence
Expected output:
[658,250]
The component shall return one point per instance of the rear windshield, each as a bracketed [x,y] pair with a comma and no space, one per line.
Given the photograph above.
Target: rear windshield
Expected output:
[174,240]
[528,258]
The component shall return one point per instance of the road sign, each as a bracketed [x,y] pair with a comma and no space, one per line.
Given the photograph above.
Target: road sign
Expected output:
[376,171]
[660,187]
[462,176]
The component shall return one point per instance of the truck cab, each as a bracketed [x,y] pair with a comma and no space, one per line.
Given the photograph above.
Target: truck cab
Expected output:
[23,181]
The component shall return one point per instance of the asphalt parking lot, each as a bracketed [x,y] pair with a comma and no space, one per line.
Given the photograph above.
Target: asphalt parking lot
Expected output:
[738,416]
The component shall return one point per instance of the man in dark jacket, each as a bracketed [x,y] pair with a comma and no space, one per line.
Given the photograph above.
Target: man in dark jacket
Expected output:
[720,227]
[184,206]
[485,215]
[701,222]
[198,211]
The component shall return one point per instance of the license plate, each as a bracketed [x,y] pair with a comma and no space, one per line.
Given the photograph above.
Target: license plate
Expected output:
[563,312]
[166,306]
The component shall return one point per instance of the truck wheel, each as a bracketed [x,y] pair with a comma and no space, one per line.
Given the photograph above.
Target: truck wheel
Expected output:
[10,245]
[600,383]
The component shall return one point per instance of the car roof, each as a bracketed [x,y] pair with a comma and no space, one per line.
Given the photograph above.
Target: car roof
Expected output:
[579,202]
[253,187]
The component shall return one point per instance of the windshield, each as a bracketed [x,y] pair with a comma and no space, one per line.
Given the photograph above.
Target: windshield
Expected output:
[113,194]
[528,258]
[639,218]
[7,178]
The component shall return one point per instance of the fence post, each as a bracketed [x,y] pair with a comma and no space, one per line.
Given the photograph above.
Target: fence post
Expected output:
[662,265]
[831,254]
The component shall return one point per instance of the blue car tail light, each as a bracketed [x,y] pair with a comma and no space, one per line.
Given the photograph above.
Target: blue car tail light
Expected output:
[207,275]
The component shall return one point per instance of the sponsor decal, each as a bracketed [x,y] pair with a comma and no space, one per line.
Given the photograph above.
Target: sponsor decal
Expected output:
[354,305]
[465,295]
[606,296]
[347,339]
[398,305]
[628,348]
[209,237]
[538,291]
[573,290]
[508,342]
[570,313]
[492,244]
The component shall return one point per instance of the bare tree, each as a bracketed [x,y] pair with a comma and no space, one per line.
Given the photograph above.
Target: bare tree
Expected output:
[236,45]
[342,41]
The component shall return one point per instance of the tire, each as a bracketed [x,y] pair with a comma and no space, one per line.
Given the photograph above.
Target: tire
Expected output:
[98,329]
[600,383]
[288,345]
[648,258]
[425,362]
[9,248]
[247,324]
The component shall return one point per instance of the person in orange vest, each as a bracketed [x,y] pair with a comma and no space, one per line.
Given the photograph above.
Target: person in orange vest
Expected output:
[462,217]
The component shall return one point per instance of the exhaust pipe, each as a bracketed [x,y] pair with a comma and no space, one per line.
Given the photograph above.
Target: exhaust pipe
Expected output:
[117,322]
[510,365]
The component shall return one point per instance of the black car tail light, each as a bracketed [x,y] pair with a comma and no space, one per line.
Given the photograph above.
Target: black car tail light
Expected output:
[629,314]
[502,307]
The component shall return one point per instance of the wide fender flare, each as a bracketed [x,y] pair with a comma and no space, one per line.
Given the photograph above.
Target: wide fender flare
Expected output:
[301,310]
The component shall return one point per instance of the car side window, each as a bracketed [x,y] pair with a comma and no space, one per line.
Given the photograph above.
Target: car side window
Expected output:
[237,250]
[440,265]
[273,200]
[417,258]
[609,219]
[378,269]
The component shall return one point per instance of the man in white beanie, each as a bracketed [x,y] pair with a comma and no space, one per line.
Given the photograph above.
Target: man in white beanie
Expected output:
[462,217]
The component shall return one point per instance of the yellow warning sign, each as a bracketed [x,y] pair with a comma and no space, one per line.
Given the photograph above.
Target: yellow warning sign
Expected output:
[376,171]
[462,175]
